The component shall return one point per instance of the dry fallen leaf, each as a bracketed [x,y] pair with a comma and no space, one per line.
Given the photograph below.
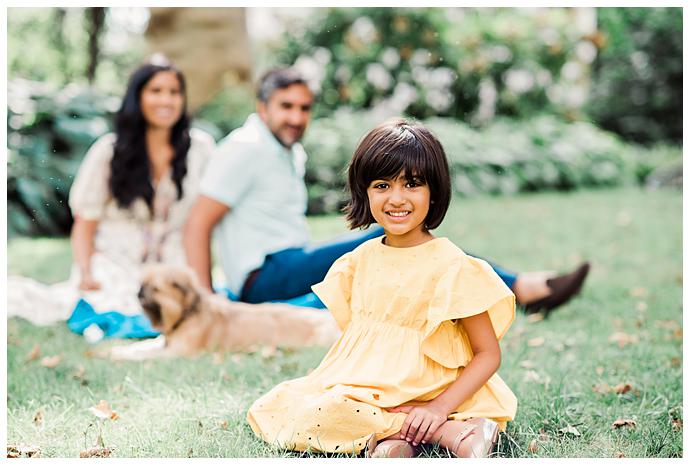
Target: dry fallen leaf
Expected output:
[533,446]
[103,411]
[269,351]
[622,388]
[218,358]
[95,452]
[620,455]
[38,418]
[623,219]
[667,324]
[223,424]
[15,451]
[527,364]
[677,424]
[599,370]
[51,362]
[543,436]
[535,317]
[34,353]
[623,339]
[536,342]
[621,422]
[602,388]
[79,372]
[570,430]
[638,292]
[534,377]
[675,362]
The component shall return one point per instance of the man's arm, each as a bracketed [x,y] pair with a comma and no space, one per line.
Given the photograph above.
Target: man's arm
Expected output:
[204,215]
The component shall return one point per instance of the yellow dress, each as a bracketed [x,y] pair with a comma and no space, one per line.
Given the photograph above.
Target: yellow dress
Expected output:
[401,342]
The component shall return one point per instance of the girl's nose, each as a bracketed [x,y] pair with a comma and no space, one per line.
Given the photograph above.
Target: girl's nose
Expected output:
[396,197]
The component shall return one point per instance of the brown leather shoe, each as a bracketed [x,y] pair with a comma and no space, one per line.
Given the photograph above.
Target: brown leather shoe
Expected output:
[563,288]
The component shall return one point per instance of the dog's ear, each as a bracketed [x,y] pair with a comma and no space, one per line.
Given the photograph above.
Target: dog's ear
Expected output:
[184,283]
[170,316]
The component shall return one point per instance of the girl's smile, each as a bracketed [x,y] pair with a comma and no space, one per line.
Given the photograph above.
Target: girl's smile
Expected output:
[400,206]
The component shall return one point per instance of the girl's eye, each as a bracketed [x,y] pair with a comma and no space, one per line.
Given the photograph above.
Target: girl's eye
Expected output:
[413,183]
[381,185]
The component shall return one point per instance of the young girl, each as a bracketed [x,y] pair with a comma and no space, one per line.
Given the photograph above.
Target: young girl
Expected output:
[416,363]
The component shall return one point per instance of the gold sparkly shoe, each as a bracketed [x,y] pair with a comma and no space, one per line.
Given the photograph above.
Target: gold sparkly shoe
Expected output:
[477,440]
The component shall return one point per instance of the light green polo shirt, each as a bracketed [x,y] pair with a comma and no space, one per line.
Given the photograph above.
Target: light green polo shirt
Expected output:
[263,184]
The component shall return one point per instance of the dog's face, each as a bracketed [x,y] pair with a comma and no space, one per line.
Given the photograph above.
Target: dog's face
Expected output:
[166,293]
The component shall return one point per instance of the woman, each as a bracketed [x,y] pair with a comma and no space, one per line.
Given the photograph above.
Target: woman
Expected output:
[129,200]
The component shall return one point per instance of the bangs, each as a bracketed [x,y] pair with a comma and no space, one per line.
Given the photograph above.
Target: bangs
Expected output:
[389,151]
[408,160]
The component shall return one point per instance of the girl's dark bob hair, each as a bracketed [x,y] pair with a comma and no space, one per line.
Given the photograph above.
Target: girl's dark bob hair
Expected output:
[394,148]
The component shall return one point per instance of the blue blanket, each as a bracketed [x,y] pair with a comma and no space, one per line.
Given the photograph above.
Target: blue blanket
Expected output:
[113,324]
[119,325]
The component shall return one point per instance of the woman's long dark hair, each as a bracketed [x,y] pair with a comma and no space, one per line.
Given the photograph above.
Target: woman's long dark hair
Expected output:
[130,176]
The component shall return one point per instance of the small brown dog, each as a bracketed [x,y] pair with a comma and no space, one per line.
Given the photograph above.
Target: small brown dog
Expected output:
[192,320]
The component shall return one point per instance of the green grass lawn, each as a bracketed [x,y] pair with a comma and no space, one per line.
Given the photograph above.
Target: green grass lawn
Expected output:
[562,369]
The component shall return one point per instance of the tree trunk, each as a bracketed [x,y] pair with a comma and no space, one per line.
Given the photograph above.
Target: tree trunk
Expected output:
[96,19]
[210,45]
[60,43]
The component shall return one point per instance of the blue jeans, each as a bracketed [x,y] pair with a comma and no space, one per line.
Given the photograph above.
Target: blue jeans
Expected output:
[287,276]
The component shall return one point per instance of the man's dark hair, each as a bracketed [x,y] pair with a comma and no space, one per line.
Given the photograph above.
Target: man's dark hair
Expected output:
[279,78]
[394,148]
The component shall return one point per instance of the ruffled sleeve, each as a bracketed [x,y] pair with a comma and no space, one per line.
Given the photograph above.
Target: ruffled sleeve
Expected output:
[469,287]
[335,290]
[89,193]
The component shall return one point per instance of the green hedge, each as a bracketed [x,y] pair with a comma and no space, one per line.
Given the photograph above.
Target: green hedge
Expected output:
[49,132]
[427,62]
[506,157]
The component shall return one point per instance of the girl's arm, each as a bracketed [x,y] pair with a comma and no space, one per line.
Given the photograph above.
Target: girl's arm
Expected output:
[83,232]
[423,420]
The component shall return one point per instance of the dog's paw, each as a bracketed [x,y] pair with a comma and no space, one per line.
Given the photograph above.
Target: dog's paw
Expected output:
[140,350]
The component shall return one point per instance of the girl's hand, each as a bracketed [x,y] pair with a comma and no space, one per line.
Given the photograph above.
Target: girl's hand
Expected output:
[87,283]
[422,421]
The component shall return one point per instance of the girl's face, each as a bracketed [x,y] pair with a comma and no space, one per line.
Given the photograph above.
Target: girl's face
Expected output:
[400,207]
[162,100]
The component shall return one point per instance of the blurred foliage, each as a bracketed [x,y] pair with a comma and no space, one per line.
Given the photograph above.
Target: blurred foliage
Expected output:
[474,64]
[48,133]
[506,157]
[467,63]
[638,77]
[51,45]
[227,110]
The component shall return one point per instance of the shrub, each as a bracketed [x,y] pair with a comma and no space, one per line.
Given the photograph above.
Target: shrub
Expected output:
[637,88]
[507,157]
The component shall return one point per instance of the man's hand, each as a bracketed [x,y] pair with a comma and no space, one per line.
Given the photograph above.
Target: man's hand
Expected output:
[422,421]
